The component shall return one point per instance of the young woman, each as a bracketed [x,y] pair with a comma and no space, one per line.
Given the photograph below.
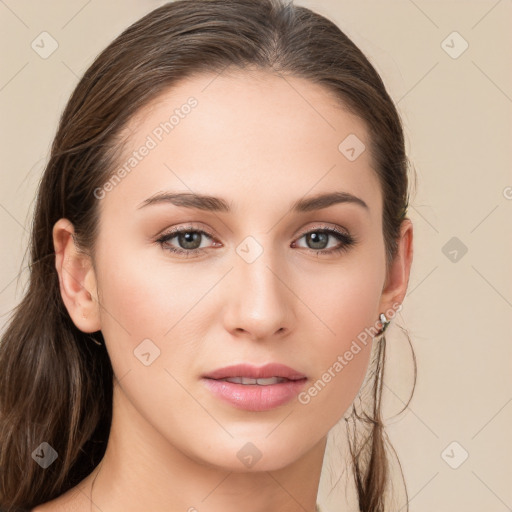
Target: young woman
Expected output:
[219,243]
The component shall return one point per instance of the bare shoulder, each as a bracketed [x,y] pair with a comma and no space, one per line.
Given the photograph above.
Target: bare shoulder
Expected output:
[74,500]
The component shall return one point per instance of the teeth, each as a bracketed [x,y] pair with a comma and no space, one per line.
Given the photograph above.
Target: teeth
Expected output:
[260,382]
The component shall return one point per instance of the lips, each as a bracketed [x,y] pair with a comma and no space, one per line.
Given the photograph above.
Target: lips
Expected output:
[260,382]
[250,373]
[255,398]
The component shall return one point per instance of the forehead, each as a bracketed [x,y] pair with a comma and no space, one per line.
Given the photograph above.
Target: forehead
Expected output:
[246,135]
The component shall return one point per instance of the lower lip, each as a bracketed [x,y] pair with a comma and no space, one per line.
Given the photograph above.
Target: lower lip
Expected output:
[252,397]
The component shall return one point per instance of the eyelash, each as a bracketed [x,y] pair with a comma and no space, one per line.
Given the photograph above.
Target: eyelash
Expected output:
[346,239]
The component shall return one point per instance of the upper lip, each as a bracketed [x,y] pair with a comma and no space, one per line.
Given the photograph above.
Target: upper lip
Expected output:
[256,372]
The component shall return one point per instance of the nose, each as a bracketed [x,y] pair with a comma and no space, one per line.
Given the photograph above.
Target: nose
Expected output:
[260,302]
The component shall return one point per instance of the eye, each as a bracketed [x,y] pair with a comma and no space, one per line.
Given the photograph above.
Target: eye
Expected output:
[319,239]
[190,240]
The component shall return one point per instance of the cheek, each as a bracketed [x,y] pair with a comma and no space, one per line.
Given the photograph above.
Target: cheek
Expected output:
[142,301]
[348,308]
[346,302]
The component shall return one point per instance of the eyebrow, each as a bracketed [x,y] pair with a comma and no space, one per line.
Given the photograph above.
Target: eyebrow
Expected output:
[218,204]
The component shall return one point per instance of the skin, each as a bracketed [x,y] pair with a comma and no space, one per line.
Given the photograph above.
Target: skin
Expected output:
[260,142]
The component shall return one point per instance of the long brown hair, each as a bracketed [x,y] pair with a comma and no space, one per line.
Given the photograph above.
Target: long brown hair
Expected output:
[56,385]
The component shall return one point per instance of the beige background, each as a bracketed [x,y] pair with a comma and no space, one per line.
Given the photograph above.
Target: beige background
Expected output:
[457,115]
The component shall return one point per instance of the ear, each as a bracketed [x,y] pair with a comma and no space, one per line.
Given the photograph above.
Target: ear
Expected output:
[395,287]
[76,278]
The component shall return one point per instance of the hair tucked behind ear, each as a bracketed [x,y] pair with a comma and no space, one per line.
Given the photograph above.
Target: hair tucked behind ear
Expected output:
[55,383]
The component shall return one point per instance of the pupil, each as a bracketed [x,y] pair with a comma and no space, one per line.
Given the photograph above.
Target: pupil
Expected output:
[189,240]
[318,238]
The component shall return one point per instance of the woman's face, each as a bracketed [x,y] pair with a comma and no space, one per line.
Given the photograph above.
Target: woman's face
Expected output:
[255,280]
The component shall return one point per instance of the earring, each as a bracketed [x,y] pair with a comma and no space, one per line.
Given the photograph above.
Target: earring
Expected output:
[96,341]
[385,322]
